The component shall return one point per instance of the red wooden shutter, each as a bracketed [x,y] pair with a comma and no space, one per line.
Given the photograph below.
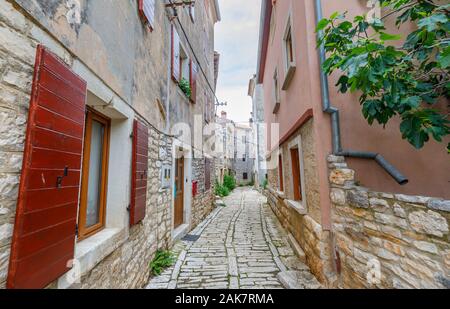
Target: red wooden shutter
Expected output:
[147,12]
[44,231]
[175,55]
[193,80]
[139,173]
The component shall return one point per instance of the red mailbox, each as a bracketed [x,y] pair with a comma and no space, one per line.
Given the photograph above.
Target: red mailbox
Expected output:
[194,188]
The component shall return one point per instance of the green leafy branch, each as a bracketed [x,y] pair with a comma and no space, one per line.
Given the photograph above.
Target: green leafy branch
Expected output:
[410,81]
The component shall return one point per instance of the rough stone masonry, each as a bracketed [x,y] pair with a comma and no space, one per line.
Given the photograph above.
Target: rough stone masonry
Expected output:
[388,240]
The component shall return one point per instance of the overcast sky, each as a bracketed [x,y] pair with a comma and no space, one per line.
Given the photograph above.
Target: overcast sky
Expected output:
[236,40]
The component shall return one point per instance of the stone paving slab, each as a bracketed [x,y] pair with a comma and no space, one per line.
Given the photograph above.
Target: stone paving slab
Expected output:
[241,245]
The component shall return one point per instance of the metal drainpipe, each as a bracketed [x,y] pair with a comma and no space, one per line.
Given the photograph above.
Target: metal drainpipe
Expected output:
[335,122]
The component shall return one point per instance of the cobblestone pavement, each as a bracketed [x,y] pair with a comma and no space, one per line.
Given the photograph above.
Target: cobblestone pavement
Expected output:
[241,245]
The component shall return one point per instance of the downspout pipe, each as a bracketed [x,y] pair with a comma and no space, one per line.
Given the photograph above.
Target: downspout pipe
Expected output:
[335,121]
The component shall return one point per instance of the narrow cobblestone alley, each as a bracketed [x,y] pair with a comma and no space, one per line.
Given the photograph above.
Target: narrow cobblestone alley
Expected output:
[241,245]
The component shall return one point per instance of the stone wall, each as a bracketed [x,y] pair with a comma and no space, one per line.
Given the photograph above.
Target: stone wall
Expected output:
[388,240]
[302,222]
[128,265]
[203,202]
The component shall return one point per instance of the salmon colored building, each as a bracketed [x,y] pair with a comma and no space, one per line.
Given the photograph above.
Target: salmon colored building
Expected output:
[349,193]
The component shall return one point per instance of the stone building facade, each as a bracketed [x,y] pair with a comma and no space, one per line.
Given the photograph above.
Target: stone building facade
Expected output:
[124,57]
[243,163]
[354,237]
[255,91]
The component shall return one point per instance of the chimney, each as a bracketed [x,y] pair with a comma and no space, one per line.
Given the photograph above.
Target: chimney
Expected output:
[224,115]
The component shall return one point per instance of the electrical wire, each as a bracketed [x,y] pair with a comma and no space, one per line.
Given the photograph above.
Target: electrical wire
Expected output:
[193,52]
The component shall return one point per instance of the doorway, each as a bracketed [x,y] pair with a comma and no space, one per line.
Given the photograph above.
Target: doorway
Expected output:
[179,192]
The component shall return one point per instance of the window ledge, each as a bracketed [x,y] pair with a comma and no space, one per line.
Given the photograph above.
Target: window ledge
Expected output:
[90,252]
[289,76]
[297,206]
[183,95]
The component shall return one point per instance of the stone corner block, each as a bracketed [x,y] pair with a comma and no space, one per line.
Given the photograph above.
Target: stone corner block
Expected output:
[341,175]
[441,205]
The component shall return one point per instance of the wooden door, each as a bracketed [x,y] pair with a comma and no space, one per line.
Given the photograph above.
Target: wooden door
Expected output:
[179,192]
[296,174]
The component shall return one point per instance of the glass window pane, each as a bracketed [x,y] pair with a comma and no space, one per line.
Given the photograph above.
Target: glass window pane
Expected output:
[95,174]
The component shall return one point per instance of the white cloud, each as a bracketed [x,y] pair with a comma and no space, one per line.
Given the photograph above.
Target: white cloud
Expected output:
[236,39]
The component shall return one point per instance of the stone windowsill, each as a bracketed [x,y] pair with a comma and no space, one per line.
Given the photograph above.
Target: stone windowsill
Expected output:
[184,97]
[91,251]
[277,193]
[297,206]
[290,72]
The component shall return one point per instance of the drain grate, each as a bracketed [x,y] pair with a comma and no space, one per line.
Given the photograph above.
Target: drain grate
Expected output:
[191,238]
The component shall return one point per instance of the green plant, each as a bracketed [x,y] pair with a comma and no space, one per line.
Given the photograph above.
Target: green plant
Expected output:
[265,184]
[229,182]
[221,190]
[162,260]
[185,87]
[406,81]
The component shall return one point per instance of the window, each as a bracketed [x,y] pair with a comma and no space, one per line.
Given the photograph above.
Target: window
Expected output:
[245,176]
[276,93]
[192,12]
[280,173]
[244,158]
[184,64]
[296,175]
[273,23]
[289,54]
[94,178]
[289,48]
[147,12]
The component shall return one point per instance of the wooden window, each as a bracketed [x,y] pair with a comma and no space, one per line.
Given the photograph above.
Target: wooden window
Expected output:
[185,65]
[147,12]
[192,12]
[289,54]
[175,56]
[280,173]
[139,172]
[276,93]
[289,47]
[193,80]
[95,175]
[245,176]
[296,175]
[46,215]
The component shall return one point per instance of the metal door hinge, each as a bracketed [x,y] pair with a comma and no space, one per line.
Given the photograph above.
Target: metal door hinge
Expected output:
[76,230]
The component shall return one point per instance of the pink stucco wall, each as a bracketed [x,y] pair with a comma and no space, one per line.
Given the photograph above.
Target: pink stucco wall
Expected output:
[428,170]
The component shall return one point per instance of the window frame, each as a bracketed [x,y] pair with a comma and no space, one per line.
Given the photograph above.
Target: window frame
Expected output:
[84,232]
[290,66]
[149,20]
[280,172]
[276,92]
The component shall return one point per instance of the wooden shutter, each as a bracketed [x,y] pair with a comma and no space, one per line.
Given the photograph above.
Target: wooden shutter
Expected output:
[175,55]
[147,12]
[193,80]
[207,174]
[139,173]
[44,231]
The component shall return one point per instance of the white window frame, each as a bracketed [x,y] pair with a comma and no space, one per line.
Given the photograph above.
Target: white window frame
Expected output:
[289,66]
[276,91]
[300,206]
